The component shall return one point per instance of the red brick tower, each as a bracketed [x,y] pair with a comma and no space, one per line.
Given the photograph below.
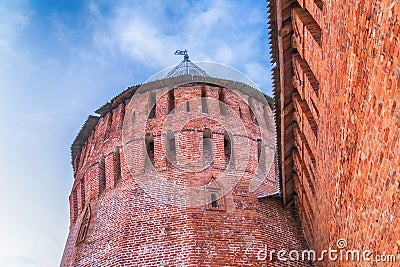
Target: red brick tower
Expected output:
[179,172]
[337,90]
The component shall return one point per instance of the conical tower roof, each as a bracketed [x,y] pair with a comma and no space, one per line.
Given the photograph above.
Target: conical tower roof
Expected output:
[186,67]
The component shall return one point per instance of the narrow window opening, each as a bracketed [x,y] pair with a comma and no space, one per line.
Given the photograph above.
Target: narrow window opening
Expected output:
[83,229]
[150,149]
[240,113]
[204,105]
[153,106]
[75,204]
[102,174]
[261,155]
[214,201]
[207,147]
[83,200]
[259,149]
[83,234]
[171,101]
[117,165]
[222,104]
[133,116]
[227,147]
[215,198]
[187,106]
[171,147]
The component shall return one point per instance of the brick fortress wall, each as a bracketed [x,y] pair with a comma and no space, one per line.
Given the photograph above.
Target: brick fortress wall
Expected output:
[123,207]
[337,90]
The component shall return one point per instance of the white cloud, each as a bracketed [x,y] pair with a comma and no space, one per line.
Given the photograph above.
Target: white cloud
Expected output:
[143,41]
[13,18]
[217,31]
[214,16]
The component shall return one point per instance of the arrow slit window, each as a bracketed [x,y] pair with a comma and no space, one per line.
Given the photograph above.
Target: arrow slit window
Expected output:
[83,229]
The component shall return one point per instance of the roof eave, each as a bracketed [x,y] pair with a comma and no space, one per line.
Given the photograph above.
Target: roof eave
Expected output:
[280,40]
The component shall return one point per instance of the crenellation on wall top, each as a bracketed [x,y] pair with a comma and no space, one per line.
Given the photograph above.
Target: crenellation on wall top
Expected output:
[244,90]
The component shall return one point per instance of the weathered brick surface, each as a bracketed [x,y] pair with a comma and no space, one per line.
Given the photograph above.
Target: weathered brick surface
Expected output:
[133,224]
[359,127]
[340,121]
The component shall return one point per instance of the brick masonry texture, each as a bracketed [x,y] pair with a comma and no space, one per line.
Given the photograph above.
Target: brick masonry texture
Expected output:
[132,222]
[337,89]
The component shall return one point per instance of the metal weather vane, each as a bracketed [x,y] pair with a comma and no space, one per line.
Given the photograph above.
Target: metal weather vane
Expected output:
[181,52]
[186,67]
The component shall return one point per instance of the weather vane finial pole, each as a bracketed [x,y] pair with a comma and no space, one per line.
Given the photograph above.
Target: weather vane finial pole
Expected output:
[183,53]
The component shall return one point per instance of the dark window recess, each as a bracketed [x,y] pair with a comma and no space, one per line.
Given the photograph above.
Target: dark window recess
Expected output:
[83,199]
[214,201]
[150,149]
[152,105]
[172,144]
[187,106]
[204,104]
[240,113]
[117,165]
[171,147]
[227,147]
[83,229]
[102,174]
[171,101]
[133,116]
[261,155]
[207,147]
[259,149]
[75,204]
[222,103]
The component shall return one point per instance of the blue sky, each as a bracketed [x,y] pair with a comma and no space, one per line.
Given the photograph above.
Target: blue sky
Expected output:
[62,59]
